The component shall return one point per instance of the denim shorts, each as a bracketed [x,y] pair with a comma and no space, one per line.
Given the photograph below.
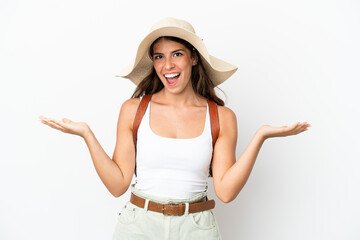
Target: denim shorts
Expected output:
[139,223]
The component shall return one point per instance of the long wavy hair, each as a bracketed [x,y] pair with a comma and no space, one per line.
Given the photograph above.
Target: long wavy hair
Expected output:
[200,81]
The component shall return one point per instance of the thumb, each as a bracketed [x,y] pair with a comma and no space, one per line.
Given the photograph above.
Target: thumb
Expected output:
[66,120]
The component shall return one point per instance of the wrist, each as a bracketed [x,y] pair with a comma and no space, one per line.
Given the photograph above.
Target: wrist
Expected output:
[86,133]
[261,134]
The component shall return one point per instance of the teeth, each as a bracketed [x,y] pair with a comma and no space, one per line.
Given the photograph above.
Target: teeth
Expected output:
[172,75]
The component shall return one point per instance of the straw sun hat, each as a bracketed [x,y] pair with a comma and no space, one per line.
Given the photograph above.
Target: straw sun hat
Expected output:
[217,70]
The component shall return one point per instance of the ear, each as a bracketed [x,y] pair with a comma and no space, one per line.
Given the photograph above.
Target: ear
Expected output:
[194,59]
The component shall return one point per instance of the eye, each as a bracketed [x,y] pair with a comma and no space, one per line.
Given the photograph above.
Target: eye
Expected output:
[157,57]
[178,54]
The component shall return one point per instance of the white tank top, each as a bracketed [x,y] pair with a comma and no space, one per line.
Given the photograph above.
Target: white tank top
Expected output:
[172,167]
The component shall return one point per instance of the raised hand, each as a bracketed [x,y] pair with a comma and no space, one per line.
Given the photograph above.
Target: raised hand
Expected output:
[66,126]
[268,131]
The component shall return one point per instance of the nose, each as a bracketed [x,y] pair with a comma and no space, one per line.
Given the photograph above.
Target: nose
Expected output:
[169,64]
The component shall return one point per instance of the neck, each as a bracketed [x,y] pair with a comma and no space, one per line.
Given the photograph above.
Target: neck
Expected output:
[181,99]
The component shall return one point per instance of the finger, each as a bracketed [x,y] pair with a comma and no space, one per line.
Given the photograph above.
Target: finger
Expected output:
[288,129]
[59,123]
[294,126]
[303,127]
[54,125]
[306,127]
[66,120]
[44,120]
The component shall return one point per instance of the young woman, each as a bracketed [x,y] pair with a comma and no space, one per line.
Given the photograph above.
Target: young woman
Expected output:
[167,134]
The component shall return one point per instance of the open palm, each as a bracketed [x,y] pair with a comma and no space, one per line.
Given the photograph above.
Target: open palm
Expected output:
[66,125]
[270,131]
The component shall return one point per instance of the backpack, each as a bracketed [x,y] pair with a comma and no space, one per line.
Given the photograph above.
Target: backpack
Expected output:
[214,120]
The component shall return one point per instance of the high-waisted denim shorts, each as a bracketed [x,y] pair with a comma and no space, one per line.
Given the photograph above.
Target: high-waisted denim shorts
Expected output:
[139,223]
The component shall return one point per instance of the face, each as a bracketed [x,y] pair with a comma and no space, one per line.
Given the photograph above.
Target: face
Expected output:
[173,63]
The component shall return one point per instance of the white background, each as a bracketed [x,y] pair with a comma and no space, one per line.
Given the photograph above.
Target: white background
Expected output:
[298,61]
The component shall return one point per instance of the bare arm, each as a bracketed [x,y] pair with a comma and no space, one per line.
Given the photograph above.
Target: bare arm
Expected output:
[230,175]
[115,173]
[107,169]
[237,175]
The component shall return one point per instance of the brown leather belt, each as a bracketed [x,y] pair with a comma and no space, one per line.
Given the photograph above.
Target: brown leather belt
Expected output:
[172,209]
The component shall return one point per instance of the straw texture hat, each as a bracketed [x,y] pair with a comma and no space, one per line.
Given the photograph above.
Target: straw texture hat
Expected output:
[216,69]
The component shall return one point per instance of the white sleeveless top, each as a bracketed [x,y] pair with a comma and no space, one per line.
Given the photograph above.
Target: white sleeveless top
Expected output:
[172,167]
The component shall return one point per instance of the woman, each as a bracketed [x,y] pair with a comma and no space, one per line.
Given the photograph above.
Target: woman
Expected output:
[166,135]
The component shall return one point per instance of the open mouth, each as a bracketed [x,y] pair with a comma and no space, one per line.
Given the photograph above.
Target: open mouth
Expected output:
[172,78]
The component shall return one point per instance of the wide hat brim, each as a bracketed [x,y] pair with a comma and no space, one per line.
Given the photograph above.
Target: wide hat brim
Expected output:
[217,69]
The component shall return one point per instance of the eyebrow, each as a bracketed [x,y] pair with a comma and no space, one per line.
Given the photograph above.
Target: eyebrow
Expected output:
[177,50]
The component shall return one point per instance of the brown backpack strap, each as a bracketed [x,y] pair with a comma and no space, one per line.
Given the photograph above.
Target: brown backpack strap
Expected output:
[215,127]
[138,117]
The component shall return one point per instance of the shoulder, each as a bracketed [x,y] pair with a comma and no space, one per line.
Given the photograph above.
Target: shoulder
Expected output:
[128,110]
[227,120]
[226,114]
[130,105]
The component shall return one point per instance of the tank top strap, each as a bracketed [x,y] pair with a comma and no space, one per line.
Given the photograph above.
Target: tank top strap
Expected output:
[206,128]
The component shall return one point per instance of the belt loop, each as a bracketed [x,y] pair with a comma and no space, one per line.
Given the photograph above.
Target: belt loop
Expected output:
[186,209]
[146,207]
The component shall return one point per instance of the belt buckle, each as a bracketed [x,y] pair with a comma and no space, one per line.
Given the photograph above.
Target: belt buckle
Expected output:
[171,204]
